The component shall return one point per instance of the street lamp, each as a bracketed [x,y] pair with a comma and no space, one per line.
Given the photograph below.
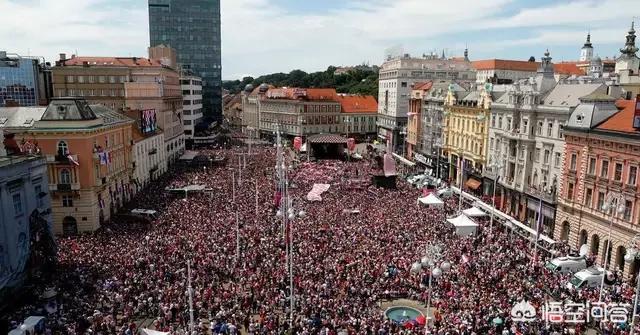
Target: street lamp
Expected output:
[495,167]
[633,253]
[614,204]
[432,256]
[438,146]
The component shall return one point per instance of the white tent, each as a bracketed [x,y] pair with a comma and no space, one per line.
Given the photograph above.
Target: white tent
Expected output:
[445,192]
[464,225]
[431,200]
[147,331]
[474,212]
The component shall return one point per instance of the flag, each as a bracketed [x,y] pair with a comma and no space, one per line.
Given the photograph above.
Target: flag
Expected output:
[109,157]
[103,158]
[72,160]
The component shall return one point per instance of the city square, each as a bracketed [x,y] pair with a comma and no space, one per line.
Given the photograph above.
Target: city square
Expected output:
[254,167]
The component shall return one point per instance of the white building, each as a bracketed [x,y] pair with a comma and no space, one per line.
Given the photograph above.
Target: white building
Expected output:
[525,136]
[628,66]
[502,71]
[191,87]
[396,78]
[150,161]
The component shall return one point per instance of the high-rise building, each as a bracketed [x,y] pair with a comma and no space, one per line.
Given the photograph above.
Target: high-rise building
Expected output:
[397,75]
[24,81]
[192,27]
[191,87]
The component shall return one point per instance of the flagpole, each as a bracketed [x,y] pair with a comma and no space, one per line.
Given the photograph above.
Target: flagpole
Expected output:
[535,241]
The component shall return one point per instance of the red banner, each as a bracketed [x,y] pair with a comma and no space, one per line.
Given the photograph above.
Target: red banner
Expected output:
[297,143]
[351,144]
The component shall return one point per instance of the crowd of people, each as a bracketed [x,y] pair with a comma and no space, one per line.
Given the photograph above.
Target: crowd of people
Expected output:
[124,277]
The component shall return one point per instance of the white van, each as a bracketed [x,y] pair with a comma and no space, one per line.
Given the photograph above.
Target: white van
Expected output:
[569,264]
[590,277]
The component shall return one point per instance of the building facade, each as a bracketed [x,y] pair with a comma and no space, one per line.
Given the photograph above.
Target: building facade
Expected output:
[24,81]
[299,111]
[358,115]
[465,133]
[192,27]
[148,160]
[88,153]
[414,117]
[123,83]
[25,222]
[191,87]
[398,75]
[602,157]
[526,139]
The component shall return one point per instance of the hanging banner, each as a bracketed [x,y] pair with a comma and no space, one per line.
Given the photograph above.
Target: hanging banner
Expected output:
[297,143]
[351,144]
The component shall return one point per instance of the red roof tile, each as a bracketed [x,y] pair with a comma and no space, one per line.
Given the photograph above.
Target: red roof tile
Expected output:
[358,104]
[622,121]
[314,94]
[569,68]
[112,61]
[423,86]
[503,64]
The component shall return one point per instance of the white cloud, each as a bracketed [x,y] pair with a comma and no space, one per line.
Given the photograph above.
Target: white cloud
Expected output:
[48,27]
[261,37]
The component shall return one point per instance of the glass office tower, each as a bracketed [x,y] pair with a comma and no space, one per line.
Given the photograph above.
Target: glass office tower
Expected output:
[192,27]
[19,82]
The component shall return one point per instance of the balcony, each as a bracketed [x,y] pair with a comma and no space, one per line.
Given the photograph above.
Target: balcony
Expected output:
[550,198]
[61,159]
[153,151]
[64,187]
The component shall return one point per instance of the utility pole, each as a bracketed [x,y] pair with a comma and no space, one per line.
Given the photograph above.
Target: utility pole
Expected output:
[190,291]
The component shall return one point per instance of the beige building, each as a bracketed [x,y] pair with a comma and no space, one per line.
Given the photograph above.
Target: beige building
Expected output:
[88,154]
[128,82]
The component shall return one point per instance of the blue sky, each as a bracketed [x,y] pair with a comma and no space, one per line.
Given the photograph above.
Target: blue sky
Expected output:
[265,36]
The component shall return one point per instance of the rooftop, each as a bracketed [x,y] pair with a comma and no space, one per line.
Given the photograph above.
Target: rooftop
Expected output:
[504,64]
[568,68]
[621,122]
[17,159]
[296,93]
[111,61]
[358,103]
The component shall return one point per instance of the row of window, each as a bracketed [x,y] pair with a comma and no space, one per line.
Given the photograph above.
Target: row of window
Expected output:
[466,124]
[70,92]
[16,198]
[70,79]
[550,130]
[605,169]
[600,199]
[191,92]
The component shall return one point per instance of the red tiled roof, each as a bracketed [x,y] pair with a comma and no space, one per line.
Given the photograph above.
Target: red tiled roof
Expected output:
[423,86]
[503,64]
[358,104]
[314,94]
[622,121]
[569,68]
[112,61]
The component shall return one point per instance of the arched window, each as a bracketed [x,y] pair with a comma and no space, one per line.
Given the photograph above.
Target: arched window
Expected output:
[566,229]
[65,176]
[595,244]
[63,148]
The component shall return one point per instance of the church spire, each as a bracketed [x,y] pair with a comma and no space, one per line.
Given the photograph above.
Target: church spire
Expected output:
[466,54]
[442,54]
[630,48]
[588,44]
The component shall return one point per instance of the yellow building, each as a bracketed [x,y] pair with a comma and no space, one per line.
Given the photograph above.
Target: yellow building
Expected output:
[466,132]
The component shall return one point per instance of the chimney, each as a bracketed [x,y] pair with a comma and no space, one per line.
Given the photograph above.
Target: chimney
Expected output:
[63,57]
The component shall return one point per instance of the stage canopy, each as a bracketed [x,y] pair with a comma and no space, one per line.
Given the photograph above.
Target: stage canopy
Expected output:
[445,192]
[474,212]
[327,139]
[431,200]
[464,226]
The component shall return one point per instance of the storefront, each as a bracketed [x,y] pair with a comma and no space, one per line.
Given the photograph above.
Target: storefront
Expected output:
[548,214]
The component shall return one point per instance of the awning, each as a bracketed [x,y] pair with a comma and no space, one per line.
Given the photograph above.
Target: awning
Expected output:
[473,183]
[474,212]
[403,160]
[431,200]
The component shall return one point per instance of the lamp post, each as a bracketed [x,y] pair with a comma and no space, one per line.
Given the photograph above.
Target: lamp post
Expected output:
[614,204]
[461,175]
[495,167]
[433,253]
[438,146]
[287,213]
[633,253]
